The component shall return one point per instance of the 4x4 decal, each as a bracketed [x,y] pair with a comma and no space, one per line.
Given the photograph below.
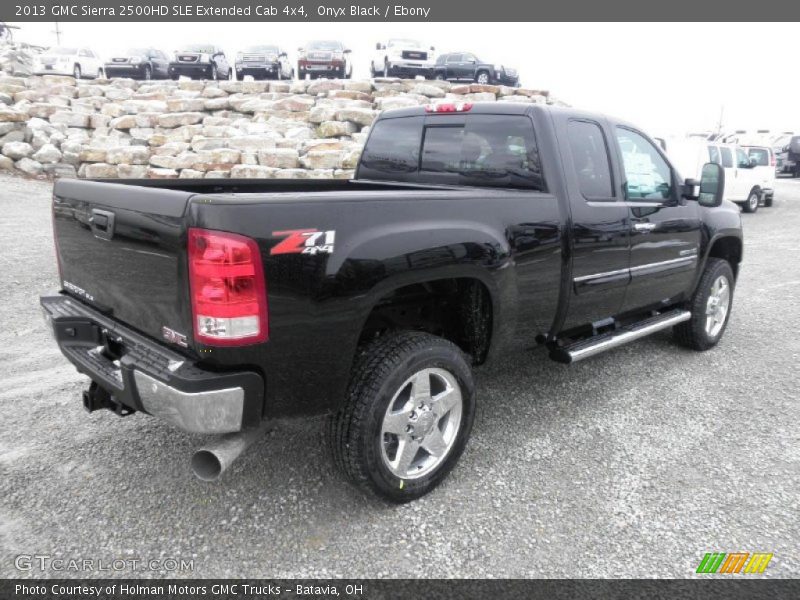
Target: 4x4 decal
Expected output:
[304,241]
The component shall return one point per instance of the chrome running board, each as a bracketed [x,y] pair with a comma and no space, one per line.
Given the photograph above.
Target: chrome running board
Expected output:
[613,339]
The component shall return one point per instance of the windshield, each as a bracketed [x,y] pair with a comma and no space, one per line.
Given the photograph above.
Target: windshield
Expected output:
[329,46]
[62,51]
[202,48]
[405,43]
[261,50]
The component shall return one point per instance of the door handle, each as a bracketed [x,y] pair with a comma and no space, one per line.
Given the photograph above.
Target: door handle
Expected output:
[644,227]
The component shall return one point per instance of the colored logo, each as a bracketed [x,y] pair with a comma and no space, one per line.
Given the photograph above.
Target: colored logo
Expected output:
[734,562]
[304,241]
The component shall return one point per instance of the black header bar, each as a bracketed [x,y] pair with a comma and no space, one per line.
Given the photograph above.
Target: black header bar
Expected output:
[400,10]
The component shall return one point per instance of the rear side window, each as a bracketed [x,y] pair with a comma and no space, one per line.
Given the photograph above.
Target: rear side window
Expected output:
[590,159]
[483,150]
[713,155]
[392,152]
[727,158]
[761,155]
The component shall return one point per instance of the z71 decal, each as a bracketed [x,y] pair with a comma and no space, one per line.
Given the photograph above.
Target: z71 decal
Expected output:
[304,241]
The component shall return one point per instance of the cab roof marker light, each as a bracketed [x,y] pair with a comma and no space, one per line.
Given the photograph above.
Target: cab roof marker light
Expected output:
[449,107]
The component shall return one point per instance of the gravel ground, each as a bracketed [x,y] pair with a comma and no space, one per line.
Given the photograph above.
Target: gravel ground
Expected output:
[632,464]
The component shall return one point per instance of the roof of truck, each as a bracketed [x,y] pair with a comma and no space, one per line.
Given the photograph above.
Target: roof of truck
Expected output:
[486,108]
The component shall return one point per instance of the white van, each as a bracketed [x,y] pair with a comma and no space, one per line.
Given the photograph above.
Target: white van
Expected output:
[744,185]
[764,157]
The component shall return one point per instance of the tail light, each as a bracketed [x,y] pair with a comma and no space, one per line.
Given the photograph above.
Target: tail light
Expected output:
[772,161]
[229,295]
[449,107]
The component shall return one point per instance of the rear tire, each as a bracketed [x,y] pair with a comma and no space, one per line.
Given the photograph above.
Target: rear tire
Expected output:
[751,204]
[388,394]
[710,307]
[148,73]
[482,78]
[76,72]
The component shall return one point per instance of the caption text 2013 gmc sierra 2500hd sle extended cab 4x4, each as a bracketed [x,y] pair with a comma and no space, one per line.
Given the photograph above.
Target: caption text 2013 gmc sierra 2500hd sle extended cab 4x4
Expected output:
[470,231]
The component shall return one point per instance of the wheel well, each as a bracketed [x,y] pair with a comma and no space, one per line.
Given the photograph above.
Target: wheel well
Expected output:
[458,309]
[729,249]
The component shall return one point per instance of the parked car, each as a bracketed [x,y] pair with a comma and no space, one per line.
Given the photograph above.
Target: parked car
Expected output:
[324,59]
[80,62]
[402,58]
[764,159]
[465,66]
[469,233]
[744,184]
[200,61]
[788,159]
[139,63]
[264,62]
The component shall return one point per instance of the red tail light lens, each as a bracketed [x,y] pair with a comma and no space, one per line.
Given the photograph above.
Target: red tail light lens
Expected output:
[772,161]
[229,295]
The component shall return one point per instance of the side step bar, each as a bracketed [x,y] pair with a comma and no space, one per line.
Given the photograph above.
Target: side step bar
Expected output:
[606,341]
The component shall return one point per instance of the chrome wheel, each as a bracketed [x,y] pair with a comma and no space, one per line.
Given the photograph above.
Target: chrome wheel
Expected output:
[719,301]
[753,201]
[483,78]
[421,423]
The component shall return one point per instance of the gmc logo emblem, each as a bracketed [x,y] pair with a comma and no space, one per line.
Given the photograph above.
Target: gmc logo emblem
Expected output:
[174,337]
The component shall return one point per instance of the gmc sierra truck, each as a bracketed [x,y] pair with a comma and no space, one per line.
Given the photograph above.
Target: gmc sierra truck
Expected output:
[469,231]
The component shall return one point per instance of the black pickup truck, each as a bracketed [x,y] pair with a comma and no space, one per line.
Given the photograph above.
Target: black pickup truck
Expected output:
[470,231]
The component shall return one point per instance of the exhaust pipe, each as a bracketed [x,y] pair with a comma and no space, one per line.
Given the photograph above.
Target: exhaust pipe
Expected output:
[212,460]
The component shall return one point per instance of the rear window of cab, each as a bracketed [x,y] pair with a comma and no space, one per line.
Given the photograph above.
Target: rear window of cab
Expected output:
[480,150]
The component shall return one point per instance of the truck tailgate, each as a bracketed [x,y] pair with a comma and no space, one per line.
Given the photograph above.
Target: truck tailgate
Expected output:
[121,248]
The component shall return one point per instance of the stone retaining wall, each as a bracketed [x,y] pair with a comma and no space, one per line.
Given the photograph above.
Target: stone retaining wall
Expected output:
[55,126]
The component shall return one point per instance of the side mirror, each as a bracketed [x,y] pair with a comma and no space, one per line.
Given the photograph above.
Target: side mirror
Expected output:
[472,61]
[347,51]
[299,49]
[378,46]
[712,185]
[433,49]
[282,55]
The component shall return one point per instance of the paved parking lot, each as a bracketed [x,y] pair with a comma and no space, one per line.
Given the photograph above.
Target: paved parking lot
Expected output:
[633,464]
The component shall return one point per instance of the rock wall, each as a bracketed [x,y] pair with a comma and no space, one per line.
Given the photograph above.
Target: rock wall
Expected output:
[56,126]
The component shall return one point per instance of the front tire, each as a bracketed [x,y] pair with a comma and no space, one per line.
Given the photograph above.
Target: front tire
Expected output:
[710,307]
[148,73]
[76,72]
[406,418]
[751,204]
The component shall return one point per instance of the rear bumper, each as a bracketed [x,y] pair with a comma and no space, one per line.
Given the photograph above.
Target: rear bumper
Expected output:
[150,377]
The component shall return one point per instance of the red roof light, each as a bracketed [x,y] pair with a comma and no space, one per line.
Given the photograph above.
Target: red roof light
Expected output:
[450,107]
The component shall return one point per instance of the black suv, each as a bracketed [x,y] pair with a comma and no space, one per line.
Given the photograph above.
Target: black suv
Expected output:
[264,62]
[465,66]
[139,63]
[200,61]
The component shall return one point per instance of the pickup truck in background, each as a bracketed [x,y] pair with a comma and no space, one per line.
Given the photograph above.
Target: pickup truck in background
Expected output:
[788,158]
[402,58]
[469,232]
